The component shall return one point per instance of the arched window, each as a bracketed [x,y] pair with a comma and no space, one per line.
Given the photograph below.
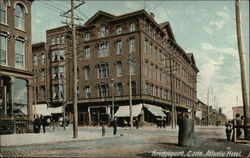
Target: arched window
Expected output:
[35,60]
[3,11]
[103,31]
[132,27]
[19,16]
[119,30]
[87,36]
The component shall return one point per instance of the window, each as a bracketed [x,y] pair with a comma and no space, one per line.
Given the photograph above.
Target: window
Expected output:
[119,68]
[87,36]
[87,72]
[133,85]
[87,52]
[132,27]
[103,32]
[151,49]
[43,90]
[151,70]
[62,40]
[146,46]
[78,92]
[56,91]
[160,93]
[61,71]
[43,75]
[43,59]
[53,41]
[146,88]
[103,50]
[19,52]
[103,70]
[61,54]
[131,45]
[19,16]
[151,89]
[103,90]
[165,93]
[132,67]
[119,47]
[119,30]
[55,72]
[54,55]
[156,91]
[146,68]
[3,50]
[156,72]
[87,92]
[160,74]
[119,89]
[155,53]
[3,11]
[165,76]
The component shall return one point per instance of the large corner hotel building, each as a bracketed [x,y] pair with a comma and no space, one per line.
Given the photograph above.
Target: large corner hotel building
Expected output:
[105,43]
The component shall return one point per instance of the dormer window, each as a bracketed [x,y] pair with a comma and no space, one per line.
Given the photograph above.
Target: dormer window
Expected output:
[119,30]
[132,27]
[19,16]
[87,36]
[103,32]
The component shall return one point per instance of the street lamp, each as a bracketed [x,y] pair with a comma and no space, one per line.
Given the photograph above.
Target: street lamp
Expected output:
[113,101]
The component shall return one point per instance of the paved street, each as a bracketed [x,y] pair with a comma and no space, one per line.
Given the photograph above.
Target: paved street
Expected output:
[145,142]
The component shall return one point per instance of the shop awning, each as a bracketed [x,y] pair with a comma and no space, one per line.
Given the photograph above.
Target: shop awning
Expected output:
[56,110]
[42,109]
[155,110]
[198,114]
[123,111]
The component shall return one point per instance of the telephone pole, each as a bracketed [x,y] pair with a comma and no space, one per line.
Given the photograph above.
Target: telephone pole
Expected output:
[130,92]
[242,68]
[72,23]
[208,106]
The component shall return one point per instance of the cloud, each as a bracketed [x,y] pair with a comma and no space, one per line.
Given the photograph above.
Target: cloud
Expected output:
[208,29]
[224,17]
[212,49]
[131,5]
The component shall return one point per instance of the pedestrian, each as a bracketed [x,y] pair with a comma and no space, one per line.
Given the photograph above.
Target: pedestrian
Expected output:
[37,124]
[228,131]
[115,126]
[137,123]
[164,122]
[236,123]
[43,121]
[241,129]
[103,130]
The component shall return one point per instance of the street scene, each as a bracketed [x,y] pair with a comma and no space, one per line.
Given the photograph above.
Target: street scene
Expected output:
[83,78]
[144,142]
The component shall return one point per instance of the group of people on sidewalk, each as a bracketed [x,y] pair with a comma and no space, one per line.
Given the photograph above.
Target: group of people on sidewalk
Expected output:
[38,122]
[237,123]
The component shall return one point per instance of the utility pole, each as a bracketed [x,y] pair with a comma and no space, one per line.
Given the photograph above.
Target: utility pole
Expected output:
[130,93]
[75,110]
[172,92]
[208,106]
[113,99]
[75,120]
[242,67]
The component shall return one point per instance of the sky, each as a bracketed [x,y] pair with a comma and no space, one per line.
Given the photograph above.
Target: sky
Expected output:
[205,28]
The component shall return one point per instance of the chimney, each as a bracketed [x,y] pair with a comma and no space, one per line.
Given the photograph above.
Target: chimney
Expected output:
[152,15]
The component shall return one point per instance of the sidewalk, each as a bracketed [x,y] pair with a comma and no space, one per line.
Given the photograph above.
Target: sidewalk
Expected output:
[59,135]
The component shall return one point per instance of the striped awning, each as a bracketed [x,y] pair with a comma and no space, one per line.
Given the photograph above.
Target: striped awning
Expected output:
[123,111]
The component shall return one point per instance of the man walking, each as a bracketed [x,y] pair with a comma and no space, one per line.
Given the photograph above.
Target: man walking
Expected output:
[43,120]
[115,125]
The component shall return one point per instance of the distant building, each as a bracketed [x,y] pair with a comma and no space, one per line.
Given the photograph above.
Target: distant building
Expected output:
[104,45]
[238,110]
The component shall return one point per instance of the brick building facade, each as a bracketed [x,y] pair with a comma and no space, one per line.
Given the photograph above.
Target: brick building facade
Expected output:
[15,58]
[108,48]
